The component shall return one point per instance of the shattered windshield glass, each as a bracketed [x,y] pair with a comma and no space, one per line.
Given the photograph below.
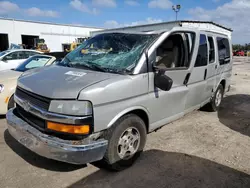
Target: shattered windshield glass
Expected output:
[110,52]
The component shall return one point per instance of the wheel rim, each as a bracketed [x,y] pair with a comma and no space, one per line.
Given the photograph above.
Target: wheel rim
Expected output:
[128,143]
[218,97]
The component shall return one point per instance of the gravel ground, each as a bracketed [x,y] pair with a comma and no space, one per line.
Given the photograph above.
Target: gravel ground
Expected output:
[202,149]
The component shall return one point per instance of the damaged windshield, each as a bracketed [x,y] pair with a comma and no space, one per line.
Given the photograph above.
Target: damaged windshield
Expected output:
[110,52]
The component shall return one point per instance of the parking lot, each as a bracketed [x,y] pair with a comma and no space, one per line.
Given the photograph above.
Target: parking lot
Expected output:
[202,149]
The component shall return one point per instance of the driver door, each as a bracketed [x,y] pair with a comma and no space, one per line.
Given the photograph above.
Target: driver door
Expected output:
[178,46]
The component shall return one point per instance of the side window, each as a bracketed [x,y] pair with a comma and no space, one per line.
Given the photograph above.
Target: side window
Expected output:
[223,50]
[175,51]
[211,50]
[202,56]
[32,53]
[27,55]
[23,55]
[11,56]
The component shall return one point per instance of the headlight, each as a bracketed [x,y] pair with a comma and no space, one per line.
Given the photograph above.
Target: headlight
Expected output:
[1,88]
[77,108]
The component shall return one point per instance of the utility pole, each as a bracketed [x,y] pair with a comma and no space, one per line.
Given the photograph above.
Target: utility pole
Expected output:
[176,8]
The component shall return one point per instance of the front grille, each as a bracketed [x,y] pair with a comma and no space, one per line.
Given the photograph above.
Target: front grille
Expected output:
[39,101]
[33,120]
[37,122]
[40,124]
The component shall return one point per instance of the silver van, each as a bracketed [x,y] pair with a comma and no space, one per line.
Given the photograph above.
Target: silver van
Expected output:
[103,99]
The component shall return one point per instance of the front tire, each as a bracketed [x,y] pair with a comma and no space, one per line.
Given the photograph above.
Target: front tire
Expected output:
[216,99]
[127,138]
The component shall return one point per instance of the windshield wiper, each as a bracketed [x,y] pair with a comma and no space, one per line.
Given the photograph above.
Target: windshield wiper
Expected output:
[63,63]
[88,65]
[97,67]
[94,66]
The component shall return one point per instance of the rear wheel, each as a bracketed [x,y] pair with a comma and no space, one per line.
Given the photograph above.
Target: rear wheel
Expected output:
[127,138]
[11,103]
[216,99]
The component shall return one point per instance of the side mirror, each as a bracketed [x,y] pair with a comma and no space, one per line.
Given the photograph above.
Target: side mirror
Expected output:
[3,60]
[6,58]
[162,81]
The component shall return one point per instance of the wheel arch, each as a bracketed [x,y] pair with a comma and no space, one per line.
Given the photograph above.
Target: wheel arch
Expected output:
[137,110]
[10,97]
[223,83]
[10,91]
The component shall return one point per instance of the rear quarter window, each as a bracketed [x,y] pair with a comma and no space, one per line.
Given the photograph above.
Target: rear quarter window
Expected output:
[223,50]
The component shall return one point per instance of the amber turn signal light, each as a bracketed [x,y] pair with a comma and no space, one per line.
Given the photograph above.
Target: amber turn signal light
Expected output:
[72,129]
[6,100]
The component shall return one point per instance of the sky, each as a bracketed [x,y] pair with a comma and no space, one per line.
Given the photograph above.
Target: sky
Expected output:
[234,14]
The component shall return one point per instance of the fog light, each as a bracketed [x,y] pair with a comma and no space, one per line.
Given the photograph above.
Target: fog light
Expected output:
[72,129]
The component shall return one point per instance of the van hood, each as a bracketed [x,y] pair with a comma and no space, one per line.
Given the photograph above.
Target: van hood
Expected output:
[58,82]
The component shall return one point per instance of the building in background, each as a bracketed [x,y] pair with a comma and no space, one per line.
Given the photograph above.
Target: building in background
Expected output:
[56,36]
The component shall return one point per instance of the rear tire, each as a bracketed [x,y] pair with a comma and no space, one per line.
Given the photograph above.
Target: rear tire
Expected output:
[127,138]
[214,105]
[11,103]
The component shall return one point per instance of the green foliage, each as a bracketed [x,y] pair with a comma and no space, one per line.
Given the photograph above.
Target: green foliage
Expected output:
[241,47]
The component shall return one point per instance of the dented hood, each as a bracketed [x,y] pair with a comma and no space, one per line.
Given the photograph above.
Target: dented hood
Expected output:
[57,82]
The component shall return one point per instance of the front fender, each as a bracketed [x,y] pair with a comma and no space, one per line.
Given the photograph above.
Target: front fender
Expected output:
[126,111]
[5,97]
[11,89]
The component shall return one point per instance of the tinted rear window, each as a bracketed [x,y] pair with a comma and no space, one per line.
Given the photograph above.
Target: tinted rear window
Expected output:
[223,49]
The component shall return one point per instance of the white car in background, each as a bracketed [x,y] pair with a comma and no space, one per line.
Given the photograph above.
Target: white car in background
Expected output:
[10,59]
[8,79]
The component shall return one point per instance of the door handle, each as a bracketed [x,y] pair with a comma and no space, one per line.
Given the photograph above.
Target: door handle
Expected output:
[216,66]
[205,74]
[186,79]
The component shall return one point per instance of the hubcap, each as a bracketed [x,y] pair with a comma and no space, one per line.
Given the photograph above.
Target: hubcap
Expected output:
[218,98]
[128,143]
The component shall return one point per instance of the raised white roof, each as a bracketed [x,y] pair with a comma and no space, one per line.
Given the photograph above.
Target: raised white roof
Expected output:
[200,25]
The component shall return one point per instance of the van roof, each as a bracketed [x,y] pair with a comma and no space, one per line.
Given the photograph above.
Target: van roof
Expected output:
[160,27]
[180,22]
[160,31]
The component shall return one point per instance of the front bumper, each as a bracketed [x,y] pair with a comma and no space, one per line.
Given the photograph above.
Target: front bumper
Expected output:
[75,152]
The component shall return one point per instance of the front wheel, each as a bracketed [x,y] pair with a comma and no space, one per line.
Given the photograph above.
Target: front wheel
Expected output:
[216,99]
[127,138]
